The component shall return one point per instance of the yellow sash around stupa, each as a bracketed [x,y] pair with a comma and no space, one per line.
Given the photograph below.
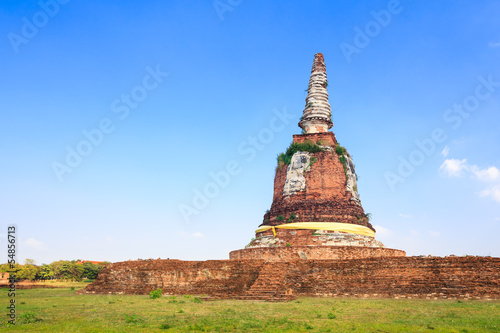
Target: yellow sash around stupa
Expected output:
[330,226]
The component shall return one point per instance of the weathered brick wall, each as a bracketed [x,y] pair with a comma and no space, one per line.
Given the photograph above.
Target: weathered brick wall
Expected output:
[314,253]
[177,277]
[325,198]
[327,137]
[448,277]
[437,277]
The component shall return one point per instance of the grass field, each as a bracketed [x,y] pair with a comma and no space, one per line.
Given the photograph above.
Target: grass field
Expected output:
[62,310]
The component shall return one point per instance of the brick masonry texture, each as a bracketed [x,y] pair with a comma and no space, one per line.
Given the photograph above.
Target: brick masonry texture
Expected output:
[325,198]
[420,277]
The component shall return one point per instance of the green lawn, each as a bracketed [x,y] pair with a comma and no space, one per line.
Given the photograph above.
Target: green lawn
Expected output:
[61,310]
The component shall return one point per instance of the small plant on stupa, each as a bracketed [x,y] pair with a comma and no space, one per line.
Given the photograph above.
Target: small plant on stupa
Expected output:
[325,84]
[292,217]
[342,153]
[306,146]
[280,218]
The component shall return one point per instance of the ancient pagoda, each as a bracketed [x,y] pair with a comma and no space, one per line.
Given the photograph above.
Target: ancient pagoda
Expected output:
[316,211]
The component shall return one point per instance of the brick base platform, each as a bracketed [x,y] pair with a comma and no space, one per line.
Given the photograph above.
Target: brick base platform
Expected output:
[289,253]
[421,277]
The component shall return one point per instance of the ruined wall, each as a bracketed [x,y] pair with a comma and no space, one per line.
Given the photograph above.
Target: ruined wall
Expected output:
[209,277]
[434,277]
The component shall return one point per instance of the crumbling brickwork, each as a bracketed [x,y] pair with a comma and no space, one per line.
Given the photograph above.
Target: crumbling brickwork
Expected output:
[325,198]
[423,277]
[209,277]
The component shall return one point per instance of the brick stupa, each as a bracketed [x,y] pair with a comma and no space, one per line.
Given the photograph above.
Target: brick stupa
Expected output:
[316,211]
[316,218]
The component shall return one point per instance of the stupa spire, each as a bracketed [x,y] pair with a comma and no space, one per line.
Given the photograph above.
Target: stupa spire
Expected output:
[317,112]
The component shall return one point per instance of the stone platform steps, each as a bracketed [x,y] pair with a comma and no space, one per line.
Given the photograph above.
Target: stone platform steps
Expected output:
[269,285]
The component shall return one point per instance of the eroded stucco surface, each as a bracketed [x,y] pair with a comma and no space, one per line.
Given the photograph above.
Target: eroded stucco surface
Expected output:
[352,185]
[295,180]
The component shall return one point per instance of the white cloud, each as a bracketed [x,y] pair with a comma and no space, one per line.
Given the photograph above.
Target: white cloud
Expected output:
[405,216]
[197,234]
[35,244]
[457,168]
[414,232]
[434,233]
[453,167]
[445,151]
[489,174]
[493,192]
[494,44]
[381,231]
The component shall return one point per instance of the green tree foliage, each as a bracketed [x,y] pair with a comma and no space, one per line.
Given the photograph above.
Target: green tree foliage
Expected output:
[62,269]
[46,272]
[90,270]
[28,272]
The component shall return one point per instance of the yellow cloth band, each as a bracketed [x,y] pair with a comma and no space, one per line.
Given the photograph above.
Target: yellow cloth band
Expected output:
[331,226]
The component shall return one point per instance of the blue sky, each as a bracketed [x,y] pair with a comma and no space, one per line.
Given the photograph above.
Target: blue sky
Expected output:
[157,97]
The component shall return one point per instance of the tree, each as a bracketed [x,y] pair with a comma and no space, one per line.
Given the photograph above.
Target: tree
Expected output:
[67,270]
[91,270]
[28,272]
[45,273]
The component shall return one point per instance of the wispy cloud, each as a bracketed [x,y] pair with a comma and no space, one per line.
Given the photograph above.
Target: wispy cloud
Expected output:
[458,168]
[453,167]
[489,174]
[405,216]
[494,44]
[493,192]
[35,244]
[197,234]
[381,231]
